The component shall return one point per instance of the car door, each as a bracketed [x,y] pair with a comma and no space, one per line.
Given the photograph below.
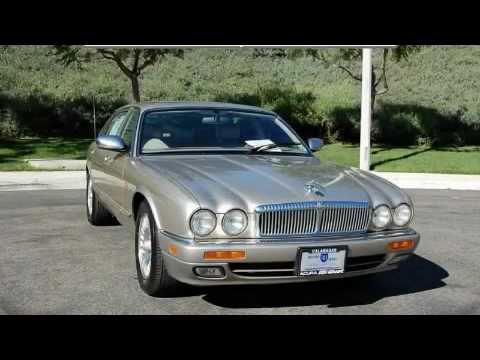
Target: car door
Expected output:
[118,186]
[104,173]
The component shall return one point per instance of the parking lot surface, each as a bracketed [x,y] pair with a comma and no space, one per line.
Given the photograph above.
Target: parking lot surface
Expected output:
[53,262]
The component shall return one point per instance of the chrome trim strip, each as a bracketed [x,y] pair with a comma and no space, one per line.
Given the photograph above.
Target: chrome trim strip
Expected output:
[261,270]
[349,236]
[288,206]
[366,263]
[306,239]
[176,237]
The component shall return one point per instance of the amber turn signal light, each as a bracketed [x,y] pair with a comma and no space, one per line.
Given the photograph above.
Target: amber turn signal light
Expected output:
[172,249]
[401,245]
[224,255]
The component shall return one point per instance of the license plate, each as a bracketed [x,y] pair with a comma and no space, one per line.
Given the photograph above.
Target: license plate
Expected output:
[321,261]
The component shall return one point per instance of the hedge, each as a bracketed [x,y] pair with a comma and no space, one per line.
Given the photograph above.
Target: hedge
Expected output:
[433,97]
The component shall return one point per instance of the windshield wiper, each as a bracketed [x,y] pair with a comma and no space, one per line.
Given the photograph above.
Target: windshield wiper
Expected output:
[265,147]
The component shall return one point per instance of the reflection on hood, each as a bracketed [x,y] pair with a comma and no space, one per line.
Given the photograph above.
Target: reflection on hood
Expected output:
[224,182]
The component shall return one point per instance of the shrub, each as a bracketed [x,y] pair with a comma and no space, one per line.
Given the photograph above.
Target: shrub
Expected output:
[433,98]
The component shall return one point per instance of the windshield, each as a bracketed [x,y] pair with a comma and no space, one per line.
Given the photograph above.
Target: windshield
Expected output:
[164,131]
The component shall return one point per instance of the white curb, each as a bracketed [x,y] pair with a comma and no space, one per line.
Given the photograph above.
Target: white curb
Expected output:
[42,180]
[74,180]
[433,181]
[60,164]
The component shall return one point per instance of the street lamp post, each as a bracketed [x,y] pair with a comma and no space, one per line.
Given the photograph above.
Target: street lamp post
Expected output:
[366,115]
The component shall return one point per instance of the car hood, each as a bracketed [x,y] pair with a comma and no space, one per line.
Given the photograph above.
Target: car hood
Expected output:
[225,182]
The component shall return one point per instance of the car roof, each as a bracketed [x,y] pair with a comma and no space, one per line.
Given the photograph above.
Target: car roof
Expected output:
[172,105]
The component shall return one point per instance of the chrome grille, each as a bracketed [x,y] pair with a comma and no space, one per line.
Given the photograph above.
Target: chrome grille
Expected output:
[317,217]
[288,219]
[339,217]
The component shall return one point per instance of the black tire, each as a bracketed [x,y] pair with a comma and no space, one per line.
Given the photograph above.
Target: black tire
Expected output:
[98,215]
[158,282]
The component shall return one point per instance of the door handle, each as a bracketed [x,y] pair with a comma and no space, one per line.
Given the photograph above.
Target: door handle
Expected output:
[107,158]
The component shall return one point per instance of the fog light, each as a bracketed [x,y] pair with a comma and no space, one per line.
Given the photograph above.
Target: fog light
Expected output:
[224,255]
[209,272]
[401,245]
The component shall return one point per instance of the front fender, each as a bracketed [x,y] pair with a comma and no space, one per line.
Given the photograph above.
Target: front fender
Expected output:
[149,197]
[171,205]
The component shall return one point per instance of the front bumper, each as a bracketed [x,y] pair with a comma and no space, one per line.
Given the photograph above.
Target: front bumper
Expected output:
[368,247]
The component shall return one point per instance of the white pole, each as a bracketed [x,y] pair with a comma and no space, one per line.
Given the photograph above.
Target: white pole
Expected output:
[366,119]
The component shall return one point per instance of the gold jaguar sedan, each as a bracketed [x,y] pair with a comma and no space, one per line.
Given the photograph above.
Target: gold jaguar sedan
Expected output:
[221,194]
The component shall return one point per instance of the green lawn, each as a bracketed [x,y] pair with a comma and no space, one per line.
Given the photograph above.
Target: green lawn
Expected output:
[14,152]
[448,160]
[461,160]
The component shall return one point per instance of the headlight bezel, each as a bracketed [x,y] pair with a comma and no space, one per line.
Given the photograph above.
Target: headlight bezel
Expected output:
[394,213]
[389,223]
[196,213]
[245,225]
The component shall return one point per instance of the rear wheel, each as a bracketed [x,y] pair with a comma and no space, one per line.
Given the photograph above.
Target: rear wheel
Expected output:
[152,273]
[97,214]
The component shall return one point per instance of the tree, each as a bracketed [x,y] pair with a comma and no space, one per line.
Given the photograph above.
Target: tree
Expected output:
[348,61]
[132,62]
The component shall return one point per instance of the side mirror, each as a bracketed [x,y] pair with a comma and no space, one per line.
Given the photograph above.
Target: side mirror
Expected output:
[315,144]
[113,143]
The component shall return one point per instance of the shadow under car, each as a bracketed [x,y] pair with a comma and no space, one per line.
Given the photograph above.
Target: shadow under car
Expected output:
[416,274]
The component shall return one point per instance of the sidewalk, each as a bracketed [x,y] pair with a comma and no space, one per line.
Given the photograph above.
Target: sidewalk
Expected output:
[42,180]
[72,180]
[60,164]
[433,181]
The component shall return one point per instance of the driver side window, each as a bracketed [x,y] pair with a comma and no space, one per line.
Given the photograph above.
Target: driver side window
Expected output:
[116,126]
[128,132]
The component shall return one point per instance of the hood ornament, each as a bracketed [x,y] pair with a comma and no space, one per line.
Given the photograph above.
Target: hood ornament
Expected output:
[314,187]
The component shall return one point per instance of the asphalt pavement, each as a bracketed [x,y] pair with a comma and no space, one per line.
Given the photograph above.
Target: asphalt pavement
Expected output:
[53,262]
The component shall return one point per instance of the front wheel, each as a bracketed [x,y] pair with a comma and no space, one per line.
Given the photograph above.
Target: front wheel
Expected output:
[152,273]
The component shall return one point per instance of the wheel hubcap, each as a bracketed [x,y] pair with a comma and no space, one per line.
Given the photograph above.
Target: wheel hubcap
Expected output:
[89,197]
[145,246]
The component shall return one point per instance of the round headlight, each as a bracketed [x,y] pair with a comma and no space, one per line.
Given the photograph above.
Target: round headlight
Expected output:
[402,215]
[234,222]
[203,222]
[381,217]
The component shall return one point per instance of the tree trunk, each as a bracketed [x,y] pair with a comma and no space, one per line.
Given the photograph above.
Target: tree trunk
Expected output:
[135,88]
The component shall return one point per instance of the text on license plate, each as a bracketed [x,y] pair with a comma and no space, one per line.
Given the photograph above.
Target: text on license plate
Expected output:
[322,261]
